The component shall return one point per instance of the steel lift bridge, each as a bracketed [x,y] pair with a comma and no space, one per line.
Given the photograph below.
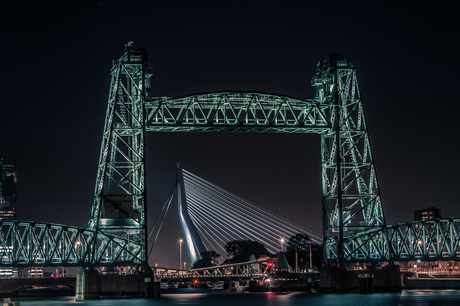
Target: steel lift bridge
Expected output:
[354,226]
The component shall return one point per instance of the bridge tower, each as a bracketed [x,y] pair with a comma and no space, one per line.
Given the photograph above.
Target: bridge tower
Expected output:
[193,240]
[354,226]
[119,204]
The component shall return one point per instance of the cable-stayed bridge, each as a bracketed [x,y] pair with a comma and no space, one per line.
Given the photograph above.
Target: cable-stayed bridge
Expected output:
[211,216]
[354,226]
[221,216]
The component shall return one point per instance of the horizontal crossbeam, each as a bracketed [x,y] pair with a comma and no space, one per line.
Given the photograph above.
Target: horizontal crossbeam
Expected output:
[235,111]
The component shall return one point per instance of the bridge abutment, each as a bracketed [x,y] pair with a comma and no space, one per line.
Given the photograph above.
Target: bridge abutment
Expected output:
[91,284]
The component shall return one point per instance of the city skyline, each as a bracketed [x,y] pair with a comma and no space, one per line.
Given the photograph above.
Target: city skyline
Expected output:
[55,95]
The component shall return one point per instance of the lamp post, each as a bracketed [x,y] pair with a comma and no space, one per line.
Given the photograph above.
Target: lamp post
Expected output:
[281,243]
[78,250]
[180,253]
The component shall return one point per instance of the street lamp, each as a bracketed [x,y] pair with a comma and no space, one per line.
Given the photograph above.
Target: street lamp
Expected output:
[281,243]
[77,249]
[180,252]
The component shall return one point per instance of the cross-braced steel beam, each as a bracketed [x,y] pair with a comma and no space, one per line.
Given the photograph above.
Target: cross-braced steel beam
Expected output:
[426,240]
[26,244]
[236,111]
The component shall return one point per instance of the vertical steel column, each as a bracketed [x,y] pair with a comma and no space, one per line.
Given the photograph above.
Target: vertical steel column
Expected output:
[338,162]
[119,205]
[353,218]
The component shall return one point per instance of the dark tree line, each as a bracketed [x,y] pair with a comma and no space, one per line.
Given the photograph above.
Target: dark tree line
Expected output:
[208,259]
[300,244]
[241,250]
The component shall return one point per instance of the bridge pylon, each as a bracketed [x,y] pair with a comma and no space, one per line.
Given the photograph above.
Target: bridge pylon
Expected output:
[193,240]
[119,204]
[354,226]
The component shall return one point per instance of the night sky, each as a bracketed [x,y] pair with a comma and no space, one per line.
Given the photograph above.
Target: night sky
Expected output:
[56,58]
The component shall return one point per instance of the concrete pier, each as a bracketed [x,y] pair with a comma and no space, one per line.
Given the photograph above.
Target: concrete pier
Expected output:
[341,281]
[97,286]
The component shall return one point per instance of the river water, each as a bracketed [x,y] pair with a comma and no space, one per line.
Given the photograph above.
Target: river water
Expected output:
[406,298]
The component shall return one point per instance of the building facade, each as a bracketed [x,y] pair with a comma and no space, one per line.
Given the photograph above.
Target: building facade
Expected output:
[8,180]
[427,214]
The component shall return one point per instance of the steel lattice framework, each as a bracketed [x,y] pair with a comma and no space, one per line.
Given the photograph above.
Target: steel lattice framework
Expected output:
[119,196]
[351,197]
[233,111]
[426,240]
[353,217]
[45,244]
[116,231]
[251,269]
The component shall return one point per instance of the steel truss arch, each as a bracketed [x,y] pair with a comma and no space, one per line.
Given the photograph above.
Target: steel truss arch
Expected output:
[236,111]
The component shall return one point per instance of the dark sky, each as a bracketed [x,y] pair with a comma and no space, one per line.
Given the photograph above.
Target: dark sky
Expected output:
[56,57]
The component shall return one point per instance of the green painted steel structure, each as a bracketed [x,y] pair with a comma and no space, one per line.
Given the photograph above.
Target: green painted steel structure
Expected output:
[28,244]
[353,218]
[119,205]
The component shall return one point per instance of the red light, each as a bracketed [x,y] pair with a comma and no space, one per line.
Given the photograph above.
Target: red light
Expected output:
[270,264]
[122,267]
[57,276]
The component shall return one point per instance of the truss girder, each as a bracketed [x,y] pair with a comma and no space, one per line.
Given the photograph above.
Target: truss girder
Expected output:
[256,268]
[26,244]
[426,240]
[233,111]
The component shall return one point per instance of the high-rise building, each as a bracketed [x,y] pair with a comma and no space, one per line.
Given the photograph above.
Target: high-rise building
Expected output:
[7,188]
[7,206]
[427,214]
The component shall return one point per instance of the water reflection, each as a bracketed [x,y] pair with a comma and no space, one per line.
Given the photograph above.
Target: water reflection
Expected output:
[406,298]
